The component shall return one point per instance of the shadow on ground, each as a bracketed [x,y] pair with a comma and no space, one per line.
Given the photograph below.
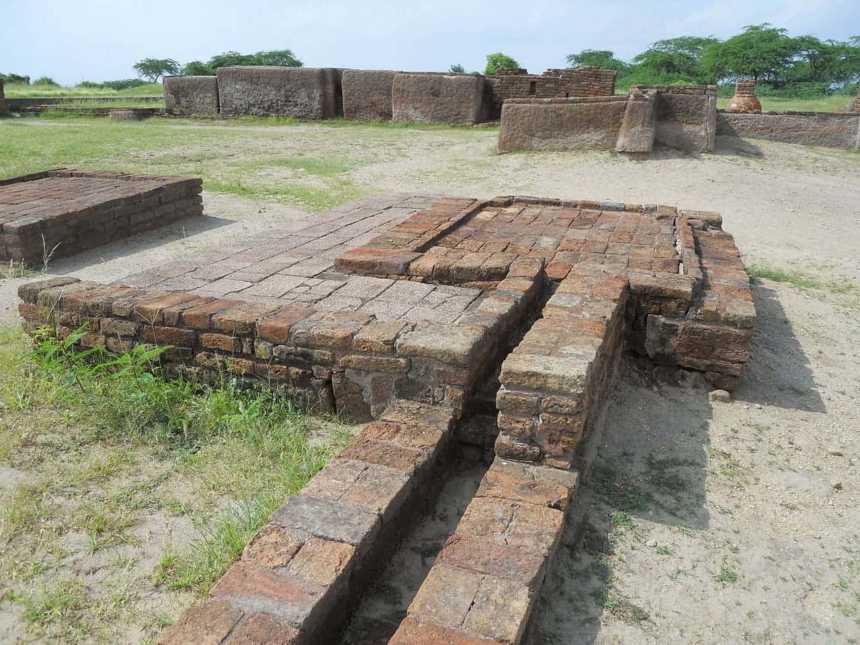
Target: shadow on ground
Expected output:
[652,465]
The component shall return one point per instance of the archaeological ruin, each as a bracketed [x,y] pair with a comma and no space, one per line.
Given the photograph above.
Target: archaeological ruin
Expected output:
[58,213]
[415,315]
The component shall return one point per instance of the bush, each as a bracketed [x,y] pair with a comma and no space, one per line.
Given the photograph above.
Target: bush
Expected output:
[46,80]
[15,78]
[124,84]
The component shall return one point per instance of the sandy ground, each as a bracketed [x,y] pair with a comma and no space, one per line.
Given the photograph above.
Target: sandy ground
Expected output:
[709,522]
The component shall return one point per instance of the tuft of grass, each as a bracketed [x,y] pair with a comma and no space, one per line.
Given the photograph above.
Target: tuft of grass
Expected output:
[20,90]
[800,280]
[58,603]
[727,574]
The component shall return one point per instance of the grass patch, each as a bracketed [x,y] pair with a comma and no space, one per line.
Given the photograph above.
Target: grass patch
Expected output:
[106,448]
[800,280]
[20,90]
[832,103]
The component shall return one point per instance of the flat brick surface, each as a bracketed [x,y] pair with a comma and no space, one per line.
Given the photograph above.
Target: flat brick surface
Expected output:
[63,212]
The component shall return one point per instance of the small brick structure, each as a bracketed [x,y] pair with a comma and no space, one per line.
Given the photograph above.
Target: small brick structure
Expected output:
[191,95]
[829,129]
[61,212]
[398,317]
[4,109]
[459,99]
[300,92]
[367,94]
[744,99]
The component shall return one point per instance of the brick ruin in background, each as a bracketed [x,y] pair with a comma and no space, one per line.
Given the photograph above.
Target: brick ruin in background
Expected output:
[520,305]
[682,117]
[3,107]
[744,99]
[372,94]
[62,212]
[857,100]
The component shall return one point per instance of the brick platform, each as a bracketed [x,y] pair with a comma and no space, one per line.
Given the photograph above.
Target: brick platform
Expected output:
[62,212]
[407,314]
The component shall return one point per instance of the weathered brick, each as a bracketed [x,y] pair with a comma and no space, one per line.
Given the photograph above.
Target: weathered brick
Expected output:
[168,336]
[413,631]
[322,561]
[206,624]
[276,328]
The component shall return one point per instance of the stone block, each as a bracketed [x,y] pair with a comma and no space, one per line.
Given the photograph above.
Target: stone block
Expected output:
[528,484]
[191,95]
[439,98]
[329,520]
[367,94]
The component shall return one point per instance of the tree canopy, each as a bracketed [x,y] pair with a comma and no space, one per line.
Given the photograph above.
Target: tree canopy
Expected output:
[154,68]
[764,53]
[498,61]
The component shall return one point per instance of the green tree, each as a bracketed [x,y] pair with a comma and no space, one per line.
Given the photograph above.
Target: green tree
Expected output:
[276,57]
[197,68]
[46,80]
[680,58]
[457,69]
[760,52]
[597,58]
[154,68]
[498,61]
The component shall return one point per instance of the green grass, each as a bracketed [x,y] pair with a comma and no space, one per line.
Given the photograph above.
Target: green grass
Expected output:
[833,103]
[19,90]
[235,157]
[801,280]
[106,445]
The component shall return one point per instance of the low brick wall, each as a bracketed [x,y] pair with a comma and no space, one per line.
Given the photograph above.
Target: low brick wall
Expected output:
[829,129]
[458,99]
[561,124]
[367,94]
[191,95]
[60,213]
[300,92]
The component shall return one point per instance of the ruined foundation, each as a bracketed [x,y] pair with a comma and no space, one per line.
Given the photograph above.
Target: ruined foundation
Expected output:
[830,129]
[191,95]
[519,308]
[62,212]
[439,98]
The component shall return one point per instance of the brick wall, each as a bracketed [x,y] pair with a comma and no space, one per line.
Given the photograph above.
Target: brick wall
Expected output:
[61,213]
[686,116]
[857,101]
[300,92]
[367,94]
[4,109]
[191,95]
[830,129]
[440,98]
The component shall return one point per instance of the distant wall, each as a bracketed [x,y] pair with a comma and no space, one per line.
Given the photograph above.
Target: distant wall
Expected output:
[561,123]
[3,108]
[367,94]
[686,116]
[300,92]
[191,95]
[830,129]
[439,98]
[553,83]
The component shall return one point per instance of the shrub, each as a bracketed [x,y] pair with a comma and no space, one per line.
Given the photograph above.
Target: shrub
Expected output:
[46,80]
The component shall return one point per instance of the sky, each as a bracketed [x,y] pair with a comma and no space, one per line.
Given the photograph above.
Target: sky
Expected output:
[98,40]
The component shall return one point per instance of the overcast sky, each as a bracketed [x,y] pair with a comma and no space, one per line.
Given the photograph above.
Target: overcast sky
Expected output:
[75,40]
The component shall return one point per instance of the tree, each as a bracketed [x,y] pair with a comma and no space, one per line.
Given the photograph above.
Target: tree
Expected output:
[46,80]
[597,58]
[498,61]
[197,68]
[681,58]
[154,68]
[457,69]
[276,57]
[760,52]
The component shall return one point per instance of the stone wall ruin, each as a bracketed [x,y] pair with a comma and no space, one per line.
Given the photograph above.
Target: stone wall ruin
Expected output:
[299,92]
[191,95]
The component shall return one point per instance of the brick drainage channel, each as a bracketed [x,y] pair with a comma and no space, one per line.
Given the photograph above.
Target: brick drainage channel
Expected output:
[534,360]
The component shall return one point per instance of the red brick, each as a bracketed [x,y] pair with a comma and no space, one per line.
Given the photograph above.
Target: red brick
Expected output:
[276,328]
[168,336]
[415,632]
[206,624]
